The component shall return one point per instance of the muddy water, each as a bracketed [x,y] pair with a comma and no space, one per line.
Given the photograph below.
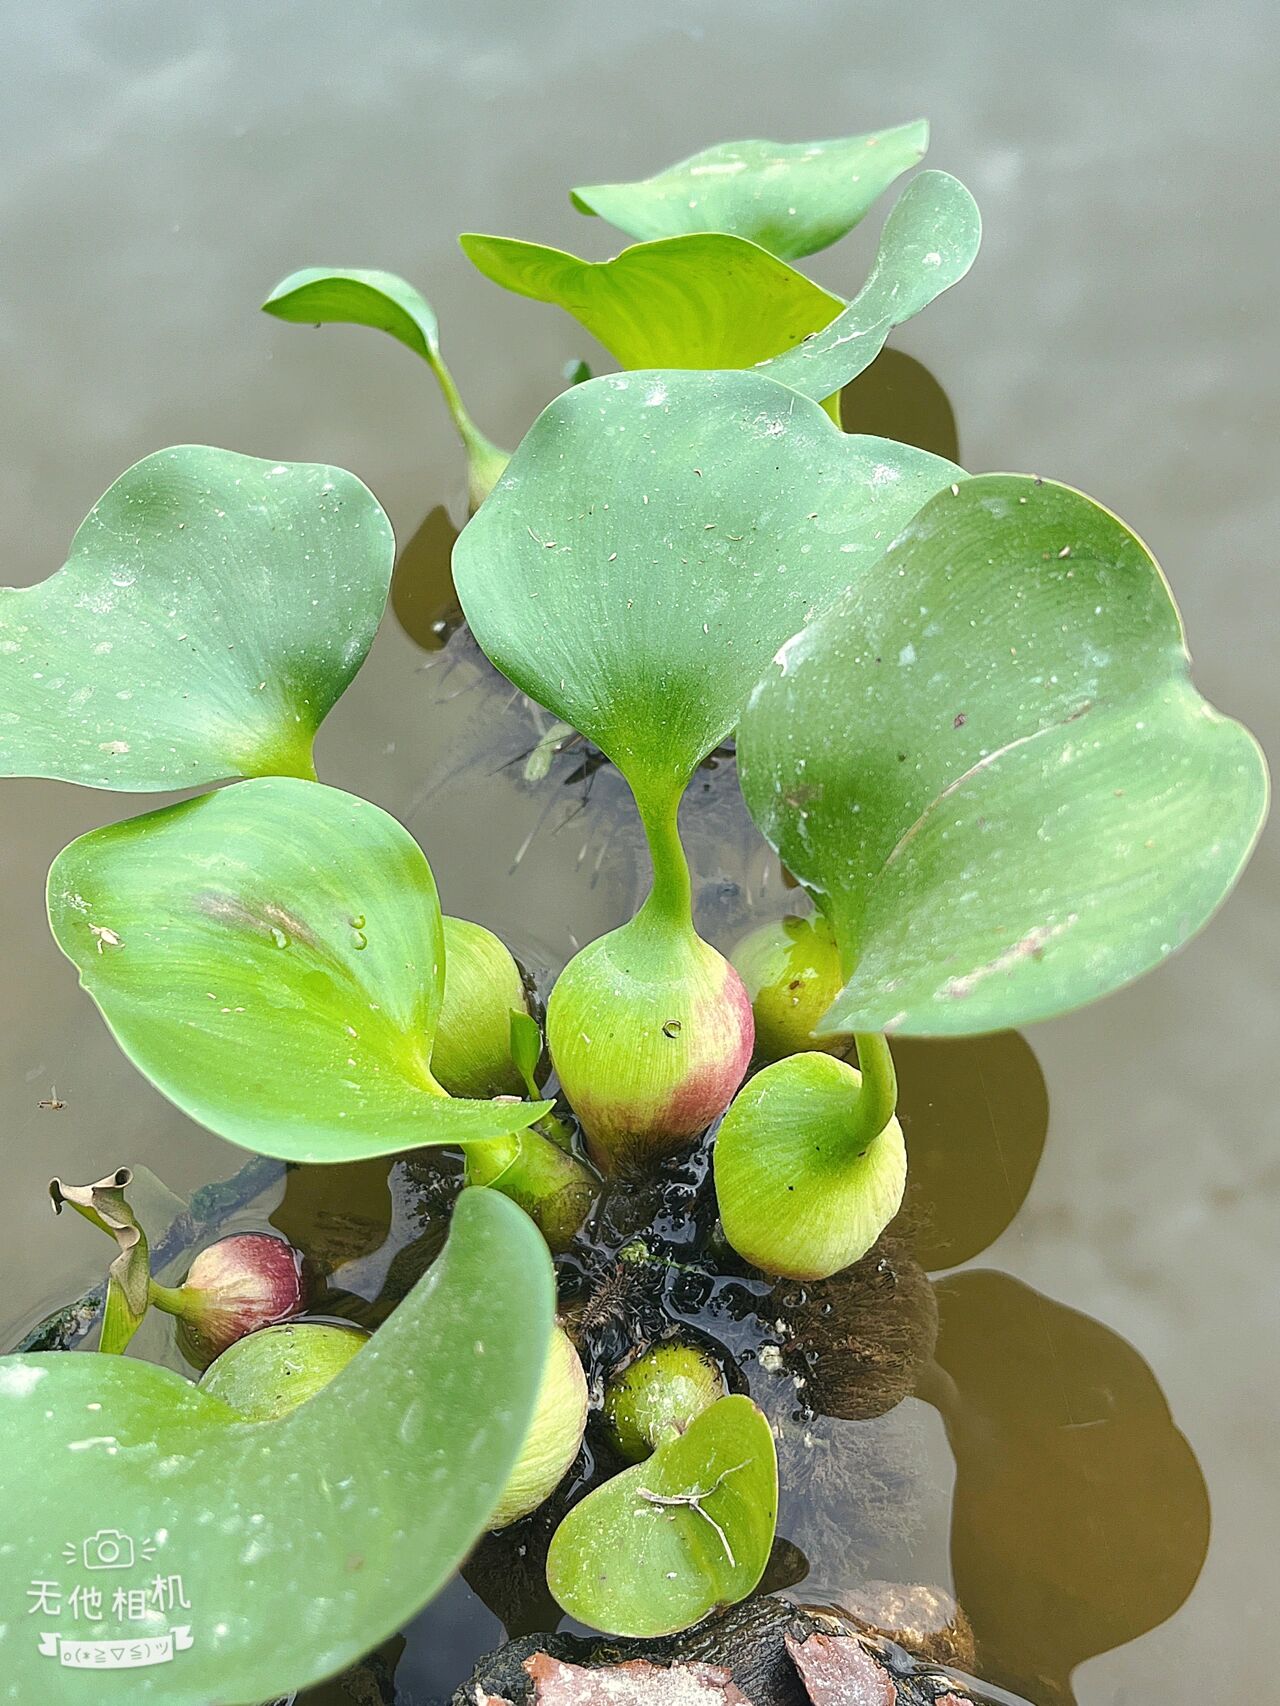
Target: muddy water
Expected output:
[1091,1459]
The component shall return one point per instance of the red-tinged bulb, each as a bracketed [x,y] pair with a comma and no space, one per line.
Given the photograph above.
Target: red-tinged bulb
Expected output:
[241,1283]
[650,1035]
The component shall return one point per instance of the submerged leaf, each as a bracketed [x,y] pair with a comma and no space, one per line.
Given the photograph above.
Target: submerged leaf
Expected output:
[792,198]
[655,540]
[212,610]
[989,762]
[930,241]
[658,1546]
[350,296]
[266,1556]
[703,300]
[295,933]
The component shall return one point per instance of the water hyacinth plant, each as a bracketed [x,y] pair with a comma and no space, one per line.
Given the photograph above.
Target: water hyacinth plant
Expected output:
[963,719]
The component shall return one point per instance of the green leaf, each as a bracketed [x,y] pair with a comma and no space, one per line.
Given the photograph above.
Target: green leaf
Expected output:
[655,540]
[299,1543]
[704,300]
[348,296]
[271,957]
[212,610]
[930,241]
[989,762]
[666,1541]
[526,1046]
[796,1197]
[792,198]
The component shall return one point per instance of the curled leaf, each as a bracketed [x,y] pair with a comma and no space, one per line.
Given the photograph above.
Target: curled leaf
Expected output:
[930,241]
[349,296]
[103,1204]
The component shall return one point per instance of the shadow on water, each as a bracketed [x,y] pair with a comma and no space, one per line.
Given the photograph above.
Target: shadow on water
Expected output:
[975,1113]
[897,397]
[422,597]
[1080,1518]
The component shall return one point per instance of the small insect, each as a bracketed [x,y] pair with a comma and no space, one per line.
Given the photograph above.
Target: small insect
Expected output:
[104,937]
[51,1102]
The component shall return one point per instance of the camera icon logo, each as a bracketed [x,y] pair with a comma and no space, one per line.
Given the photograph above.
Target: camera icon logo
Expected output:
[108,1549]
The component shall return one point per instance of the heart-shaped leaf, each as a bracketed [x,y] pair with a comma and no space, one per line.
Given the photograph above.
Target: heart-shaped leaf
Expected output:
[796,1195]
[657,537]
[271,957]
[703,300]
[236,1560]
[347,296]
[930,241]
[792,198]
[212,610]
[659,1546]
[988,760]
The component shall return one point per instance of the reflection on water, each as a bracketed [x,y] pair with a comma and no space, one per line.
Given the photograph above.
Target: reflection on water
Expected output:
[422,597]
[897,397]
[1080,1518]
[975,1114]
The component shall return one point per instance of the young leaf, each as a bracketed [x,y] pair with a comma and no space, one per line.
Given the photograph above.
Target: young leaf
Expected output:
[128,1293]
[796,1195]
[703,300]
[526,1046]
[660,1545]
[346,296]
[294,932]
[988,760]
[930,241]
[793,198]
[283,1549]
[471,1055]
[212,610]
[655,540]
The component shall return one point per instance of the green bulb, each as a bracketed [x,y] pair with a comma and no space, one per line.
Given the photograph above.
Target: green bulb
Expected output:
[471,1055]
[791,970]
[657,1396]
[559,1422]
[803,1190]
[266,1374]
[554,1188]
